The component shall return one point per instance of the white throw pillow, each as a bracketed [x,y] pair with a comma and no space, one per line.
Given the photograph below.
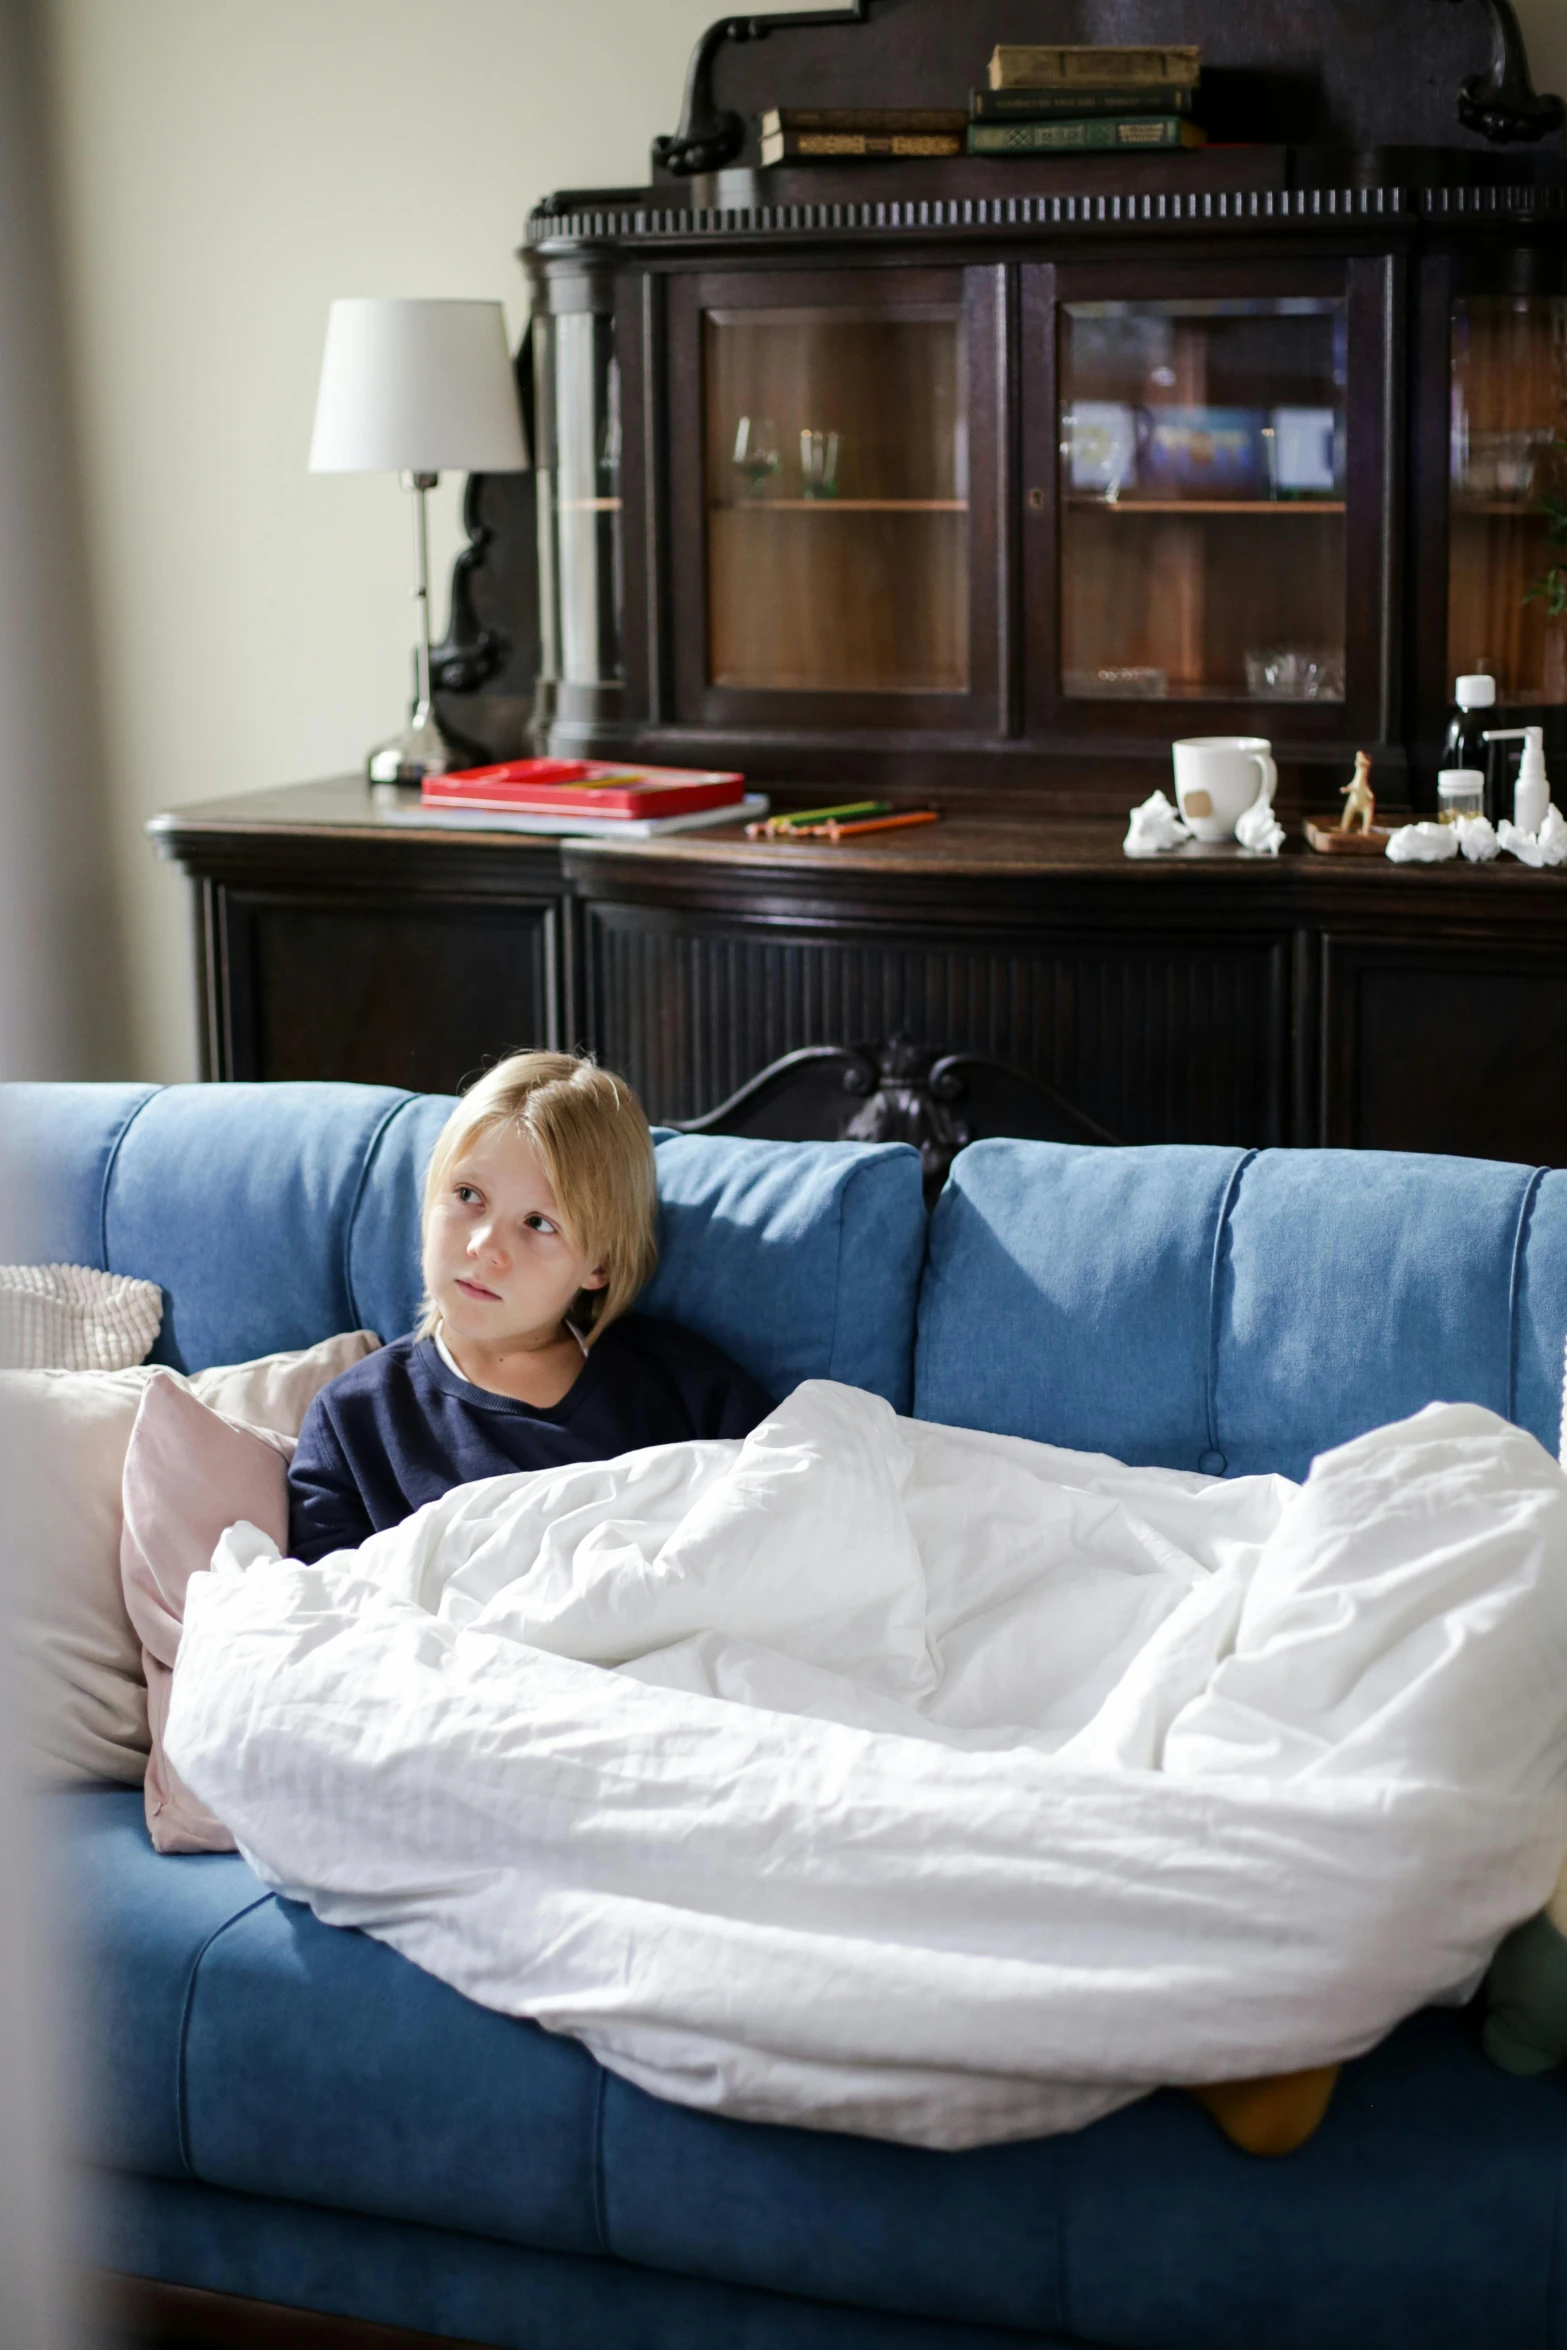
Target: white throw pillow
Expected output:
[63,1439]
[71,1318]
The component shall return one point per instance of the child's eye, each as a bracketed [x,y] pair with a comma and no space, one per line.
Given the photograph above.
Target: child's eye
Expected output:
[538,1224]
[466,1193]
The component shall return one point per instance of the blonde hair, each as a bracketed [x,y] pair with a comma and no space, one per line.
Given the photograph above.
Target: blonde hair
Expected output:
[592,1137]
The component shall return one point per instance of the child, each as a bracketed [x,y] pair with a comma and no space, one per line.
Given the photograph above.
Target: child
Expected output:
[538,1232]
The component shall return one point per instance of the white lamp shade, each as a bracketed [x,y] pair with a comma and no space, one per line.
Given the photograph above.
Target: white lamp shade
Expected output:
[417,387]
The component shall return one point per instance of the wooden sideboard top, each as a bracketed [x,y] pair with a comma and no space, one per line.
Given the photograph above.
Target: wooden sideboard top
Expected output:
[971,844]
[342,806]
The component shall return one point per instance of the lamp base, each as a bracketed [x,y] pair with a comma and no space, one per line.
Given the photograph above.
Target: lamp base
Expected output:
[421,750]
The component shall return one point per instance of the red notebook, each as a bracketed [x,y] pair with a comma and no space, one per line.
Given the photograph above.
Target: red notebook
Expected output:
[584,787]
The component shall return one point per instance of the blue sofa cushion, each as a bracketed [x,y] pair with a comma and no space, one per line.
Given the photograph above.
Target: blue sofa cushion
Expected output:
[240,1202]
[274,1215]
[282,2060]
[236,2040]
[1426,2210]
[1238,1312]
[800,1259]
[57,1151]
[140,1930]
[466,2289]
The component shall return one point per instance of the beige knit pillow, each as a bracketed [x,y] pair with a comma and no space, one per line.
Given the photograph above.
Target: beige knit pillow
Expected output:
[71,1318]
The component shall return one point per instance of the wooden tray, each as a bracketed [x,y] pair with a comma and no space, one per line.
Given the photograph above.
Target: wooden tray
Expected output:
[1323,833]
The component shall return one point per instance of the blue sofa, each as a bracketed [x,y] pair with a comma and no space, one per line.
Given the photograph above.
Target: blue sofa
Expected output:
[298,2116]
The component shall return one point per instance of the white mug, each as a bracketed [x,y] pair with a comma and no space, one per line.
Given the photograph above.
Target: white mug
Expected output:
[1218,776]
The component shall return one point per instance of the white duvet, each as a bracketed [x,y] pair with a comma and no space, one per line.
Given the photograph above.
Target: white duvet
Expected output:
[885,1777]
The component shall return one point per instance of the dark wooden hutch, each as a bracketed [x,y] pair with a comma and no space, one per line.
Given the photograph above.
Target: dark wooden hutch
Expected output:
[985,480]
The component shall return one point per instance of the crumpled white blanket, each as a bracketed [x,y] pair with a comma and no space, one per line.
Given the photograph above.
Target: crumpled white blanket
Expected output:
[907,1780]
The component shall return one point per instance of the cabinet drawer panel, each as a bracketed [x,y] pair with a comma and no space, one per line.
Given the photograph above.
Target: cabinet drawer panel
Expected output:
[384,994]
[1159,1041]
[1454,1049]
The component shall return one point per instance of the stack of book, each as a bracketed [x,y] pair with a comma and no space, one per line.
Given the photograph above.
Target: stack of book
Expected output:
[838,134]
[583,796]
[1073,101]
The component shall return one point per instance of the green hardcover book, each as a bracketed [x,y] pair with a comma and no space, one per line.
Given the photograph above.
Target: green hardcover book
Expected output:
[1142,134]
[1015,67]
[845,146]
[885,121]
[1072,103]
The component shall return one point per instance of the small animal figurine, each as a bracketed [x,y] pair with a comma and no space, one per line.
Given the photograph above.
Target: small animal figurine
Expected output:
[1360,801]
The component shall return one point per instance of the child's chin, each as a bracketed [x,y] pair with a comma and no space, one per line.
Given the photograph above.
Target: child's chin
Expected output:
[460,1312]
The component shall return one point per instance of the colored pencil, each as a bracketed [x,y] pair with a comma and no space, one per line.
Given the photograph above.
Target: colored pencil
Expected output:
[834,831]
[779,827]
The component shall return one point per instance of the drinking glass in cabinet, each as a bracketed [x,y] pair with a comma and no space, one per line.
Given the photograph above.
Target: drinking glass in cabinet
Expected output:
[854,577]
[1202,498]
[1507,581]
[757,454]
[818,464]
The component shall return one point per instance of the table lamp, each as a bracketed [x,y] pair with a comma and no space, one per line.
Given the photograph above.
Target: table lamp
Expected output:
[416,388]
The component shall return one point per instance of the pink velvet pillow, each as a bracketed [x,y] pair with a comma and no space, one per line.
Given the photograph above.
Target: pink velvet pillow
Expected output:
[190,1472]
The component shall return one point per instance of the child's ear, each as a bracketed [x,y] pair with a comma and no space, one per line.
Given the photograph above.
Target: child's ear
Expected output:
[597,1279]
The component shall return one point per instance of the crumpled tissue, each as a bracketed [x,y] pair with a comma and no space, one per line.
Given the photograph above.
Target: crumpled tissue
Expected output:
[1154,826]
[1548,846]
[1477,839]
[1258,829]
[1423,844]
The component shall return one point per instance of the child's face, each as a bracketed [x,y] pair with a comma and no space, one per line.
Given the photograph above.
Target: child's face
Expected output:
[497,1263]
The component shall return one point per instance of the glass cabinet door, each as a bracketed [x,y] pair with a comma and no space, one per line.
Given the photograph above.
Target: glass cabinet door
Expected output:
[1203,447]
[578,428]
[837,500]
[827,572]
[1507,559]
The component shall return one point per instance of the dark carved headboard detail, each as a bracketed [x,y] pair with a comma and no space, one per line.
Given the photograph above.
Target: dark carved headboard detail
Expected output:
[898,1091]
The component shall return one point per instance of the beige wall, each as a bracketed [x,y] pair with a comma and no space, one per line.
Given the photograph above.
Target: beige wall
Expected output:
[1544,25]
[224,167]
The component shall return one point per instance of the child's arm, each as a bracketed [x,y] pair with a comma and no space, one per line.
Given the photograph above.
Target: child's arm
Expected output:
[326,1510]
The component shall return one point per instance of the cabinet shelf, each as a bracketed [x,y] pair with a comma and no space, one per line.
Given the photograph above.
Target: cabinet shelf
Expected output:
[1179,507]
[842,506]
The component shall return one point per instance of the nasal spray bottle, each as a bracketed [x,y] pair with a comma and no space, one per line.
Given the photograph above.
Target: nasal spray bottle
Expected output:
[1532,792]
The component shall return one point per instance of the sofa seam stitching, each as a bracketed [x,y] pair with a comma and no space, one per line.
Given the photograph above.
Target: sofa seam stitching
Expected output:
[112,1162]
[837,1278]
[371,1148]
[923,1274]
[600,2204]
[1221,1227]
[181,2106]
[1515,1284]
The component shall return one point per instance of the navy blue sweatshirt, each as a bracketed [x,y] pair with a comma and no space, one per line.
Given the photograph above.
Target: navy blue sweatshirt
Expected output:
[399,1428]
